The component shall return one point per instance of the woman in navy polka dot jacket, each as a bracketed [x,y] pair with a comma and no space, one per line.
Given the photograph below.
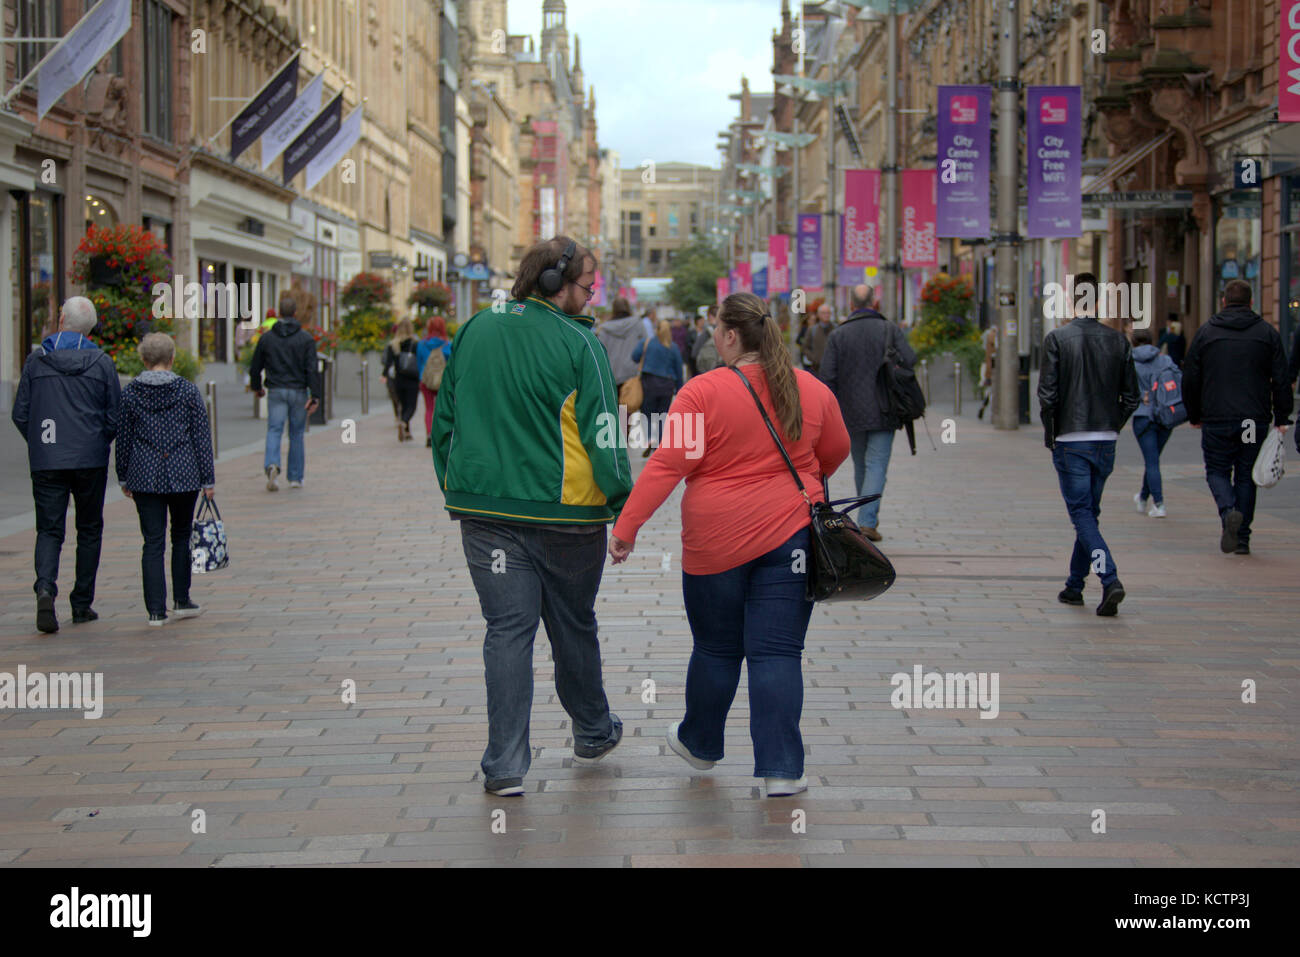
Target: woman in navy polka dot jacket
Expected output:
[164,457]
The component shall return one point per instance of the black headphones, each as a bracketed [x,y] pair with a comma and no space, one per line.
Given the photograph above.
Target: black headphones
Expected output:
[551,281]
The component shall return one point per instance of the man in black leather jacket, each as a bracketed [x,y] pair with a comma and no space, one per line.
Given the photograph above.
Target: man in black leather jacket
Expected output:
[1087,389]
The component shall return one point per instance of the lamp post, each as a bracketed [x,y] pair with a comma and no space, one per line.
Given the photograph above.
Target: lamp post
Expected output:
[1006,394]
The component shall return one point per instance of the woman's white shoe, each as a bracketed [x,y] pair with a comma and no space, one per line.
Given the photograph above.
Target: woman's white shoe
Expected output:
[683,752]
[783,787]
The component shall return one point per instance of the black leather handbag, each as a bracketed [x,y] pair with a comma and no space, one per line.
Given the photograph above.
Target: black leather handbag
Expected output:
[844,565]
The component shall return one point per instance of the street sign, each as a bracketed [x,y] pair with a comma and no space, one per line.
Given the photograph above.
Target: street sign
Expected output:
[420,273]
[381,260]
[476,271]
[1142,199]
[460,260]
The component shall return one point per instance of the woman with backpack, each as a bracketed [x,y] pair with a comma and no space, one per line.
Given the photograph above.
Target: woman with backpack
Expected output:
[435,345]
[164,458]
[1150,433]
[402,373]
[745,537]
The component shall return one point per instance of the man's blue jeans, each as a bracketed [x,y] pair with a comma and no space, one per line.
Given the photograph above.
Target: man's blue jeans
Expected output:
[1151,438]
[757,613]
[870,452]
[1082,469]
[282,405]
[524,575]
[1228,465]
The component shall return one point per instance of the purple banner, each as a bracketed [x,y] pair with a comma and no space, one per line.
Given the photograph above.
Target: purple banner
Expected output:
[808,253]
[963,158]
[1055,195]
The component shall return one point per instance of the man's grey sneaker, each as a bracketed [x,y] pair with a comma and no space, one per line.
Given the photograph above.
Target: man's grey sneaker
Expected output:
[157,621]
[1231,522]
[271,472]
[505,787]
[1157,511]
[1069,596]
[588,754]
[783,787]
[187,609]
[1140,502]
[295,483]
[684,752]
[46,620]
[1111,596]
[82,615]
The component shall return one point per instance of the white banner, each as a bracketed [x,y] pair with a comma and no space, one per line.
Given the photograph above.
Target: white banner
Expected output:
[333,151]
[293,120]
[546,207]
[77,53]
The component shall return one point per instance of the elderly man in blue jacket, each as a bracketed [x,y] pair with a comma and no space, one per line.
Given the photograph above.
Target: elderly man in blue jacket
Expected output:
[66,409]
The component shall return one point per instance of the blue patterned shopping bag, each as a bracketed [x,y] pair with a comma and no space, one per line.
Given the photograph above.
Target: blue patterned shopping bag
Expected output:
[208,538]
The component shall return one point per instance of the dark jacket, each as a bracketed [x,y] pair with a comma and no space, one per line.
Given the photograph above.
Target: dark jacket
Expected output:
[409,344]
[164,444]
[287,355]
[1293,364]
[67,404]
[1087,382]
[850,366]
[1235,369]
[1149,363]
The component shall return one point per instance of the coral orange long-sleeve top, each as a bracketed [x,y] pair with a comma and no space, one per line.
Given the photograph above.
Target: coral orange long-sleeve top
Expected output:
[741,500]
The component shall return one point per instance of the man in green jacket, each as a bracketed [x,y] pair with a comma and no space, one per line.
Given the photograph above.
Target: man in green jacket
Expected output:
[517,449]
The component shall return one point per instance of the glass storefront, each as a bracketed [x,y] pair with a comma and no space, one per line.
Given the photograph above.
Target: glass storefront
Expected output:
[1237,240]
[38,267]
[1289,278]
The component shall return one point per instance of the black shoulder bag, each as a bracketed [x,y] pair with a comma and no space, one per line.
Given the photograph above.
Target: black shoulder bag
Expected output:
[844,565]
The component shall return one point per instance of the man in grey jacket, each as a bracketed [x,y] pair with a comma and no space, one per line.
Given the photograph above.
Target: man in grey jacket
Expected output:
[850,367]
[67,410]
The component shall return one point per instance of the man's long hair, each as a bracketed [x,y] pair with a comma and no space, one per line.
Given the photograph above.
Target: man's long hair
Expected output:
[542,257]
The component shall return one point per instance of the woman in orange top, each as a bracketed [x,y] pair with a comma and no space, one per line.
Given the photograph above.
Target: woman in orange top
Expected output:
[745,539]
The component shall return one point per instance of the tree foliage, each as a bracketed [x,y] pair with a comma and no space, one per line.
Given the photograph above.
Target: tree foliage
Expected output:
[695,274]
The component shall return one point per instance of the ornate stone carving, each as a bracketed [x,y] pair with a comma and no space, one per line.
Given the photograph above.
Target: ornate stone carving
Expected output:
[1174,104]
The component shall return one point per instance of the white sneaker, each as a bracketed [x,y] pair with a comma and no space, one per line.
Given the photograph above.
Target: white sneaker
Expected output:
[295,483]
[1140,502]
[783,787]
[1156,511]
[683,752]
[271,472]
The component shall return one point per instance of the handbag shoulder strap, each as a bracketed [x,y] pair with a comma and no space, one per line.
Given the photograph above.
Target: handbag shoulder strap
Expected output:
[772,431]
[645,351]
[206,505]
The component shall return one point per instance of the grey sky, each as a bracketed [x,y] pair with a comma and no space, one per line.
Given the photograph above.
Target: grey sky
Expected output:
[663,69]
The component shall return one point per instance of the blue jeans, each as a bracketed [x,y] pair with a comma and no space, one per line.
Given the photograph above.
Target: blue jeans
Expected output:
[524,575]
[755,612]
[1228,464]
[290,404]
[870,452]
[1082,469]
[1151,438]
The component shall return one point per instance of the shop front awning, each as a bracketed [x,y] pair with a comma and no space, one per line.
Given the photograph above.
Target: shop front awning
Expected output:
[1121,164]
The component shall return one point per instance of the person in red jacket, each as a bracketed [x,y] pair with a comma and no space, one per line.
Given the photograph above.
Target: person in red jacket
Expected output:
[745,537]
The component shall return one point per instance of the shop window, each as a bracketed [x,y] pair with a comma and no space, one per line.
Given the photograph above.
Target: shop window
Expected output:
[1237,241]
[98,212]
[36,18]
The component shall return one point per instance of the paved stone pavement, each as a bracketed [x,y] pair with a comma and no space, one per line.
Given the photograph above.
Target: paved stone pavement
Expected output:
[360,577]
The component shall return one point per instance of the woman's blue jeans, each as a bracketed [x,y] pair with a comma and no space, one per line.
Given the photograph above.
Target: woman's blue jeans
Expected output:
[1151,438]
[755,612]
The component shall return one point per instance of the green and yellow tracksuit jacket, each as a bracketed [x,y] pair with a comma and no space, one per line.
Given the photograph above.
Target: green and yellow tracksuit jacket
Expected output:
[526,404]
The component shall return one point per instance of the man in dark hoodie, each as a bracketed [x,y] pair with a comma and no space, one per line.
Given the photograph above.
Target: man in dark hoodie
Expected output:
[1236,386]
[287,354]
[67,409]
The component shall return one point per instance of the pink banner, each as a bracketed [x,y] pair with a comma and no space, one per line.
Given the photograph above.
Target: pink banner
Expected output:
[778,264]
[1288,63]
[920,247]
[745,277]
[724,289]
[628,293]
[598,289]
[861,218]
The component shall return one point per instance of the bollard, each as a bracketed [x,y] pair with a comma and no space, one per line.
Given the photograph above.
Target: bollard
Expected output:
[956,387]
[365,386]
[925,379]
[212,416]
